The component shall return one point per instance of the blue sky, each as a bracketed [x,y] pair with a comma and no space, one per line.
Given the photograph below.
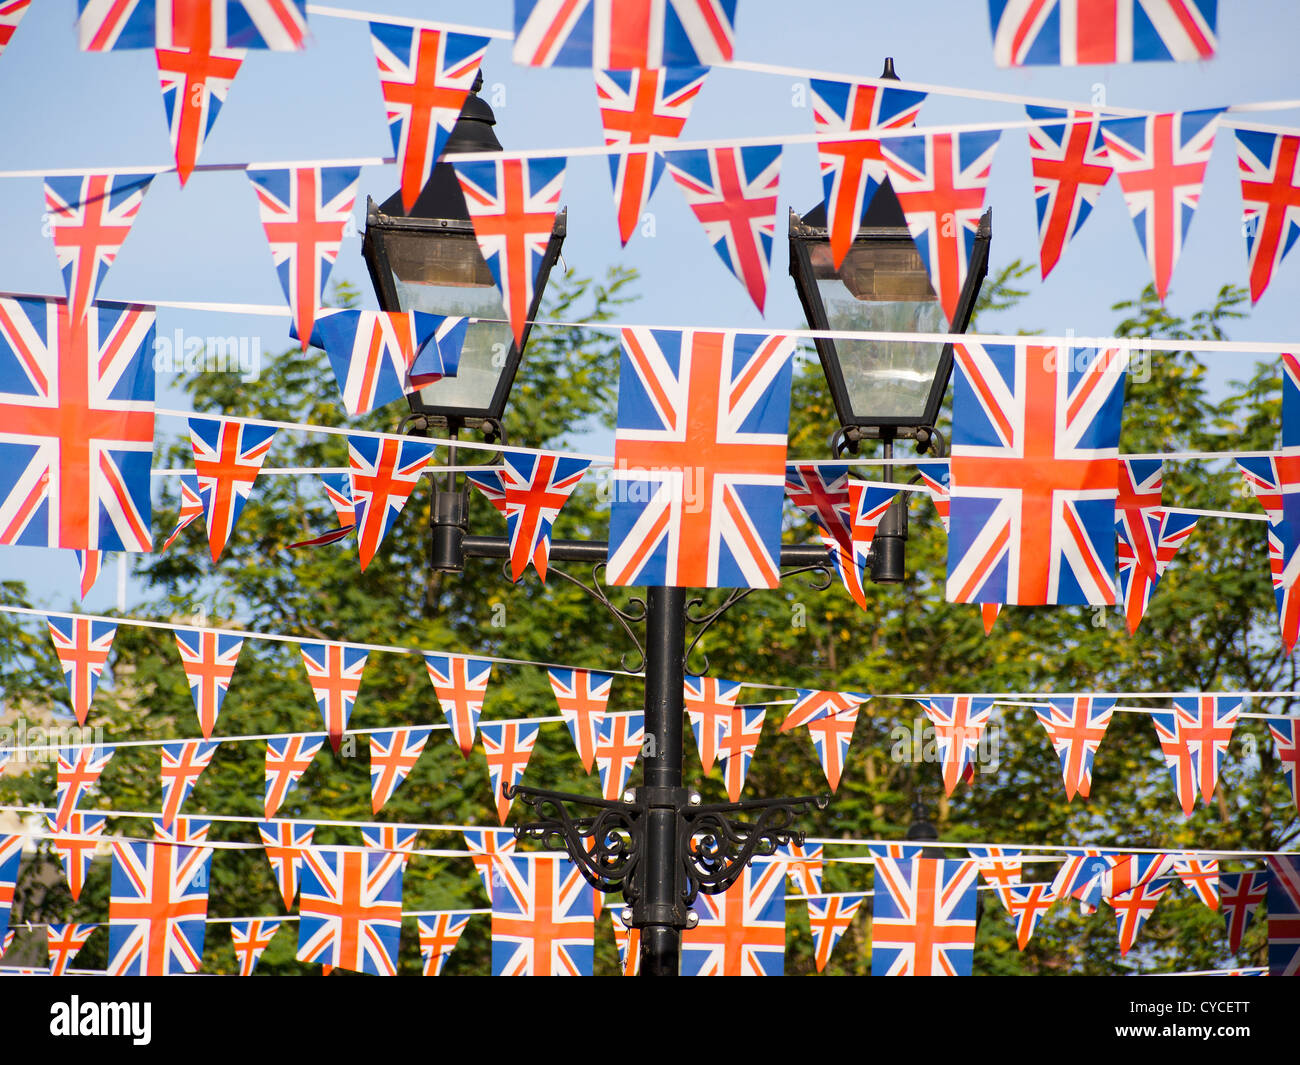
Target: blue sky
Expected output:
[204,242]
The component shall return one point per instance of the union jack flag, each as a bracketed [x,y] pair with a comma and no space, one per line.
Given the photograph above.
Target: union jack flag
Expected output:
[191,831]
[531,489]
[810,704]
[182,765]
[287,759]
[1027,903]
[250,938]
[1269,164]
[847,567]
[507,747]
[1122,873]
[440,357]
[1200,876]
[76,773]
[617,747]
[208,659]
[732,191]
[383,473]
[1149,535]
[487,846]
[11,854]
[460,682]
[803,865]
[11,13]
[350,910]
[709,703]
[1161,162]
[852,170]
[542,923]
[82,646]
[582,695]
[89,218]
[1076,725]
[277,25]
[191,507]
[959,721]
[998,866]
[940,180]
[1283,916]
[1034,474]
[76,407]
[618,36]
[228,456]
[1288,753]
[513,204]
[934,475]
[1194,737]
[868,505]
[901,852]
[831,735]
[1276,483]
[304,212]
[76,848]
[742,728]
[338,489]
[829,918]
[334,671]
[645,109]
[425,76]
[742,931]
[157,912]
[1081,866]
[923,922]
[393,754]
[1070,169]
[395,839]
[1133,907]
[1239,897]
[90,564]
[438,938]
[64,941]
[1075,32]
[699,459]
[285,842]
[822,492]
[628,941]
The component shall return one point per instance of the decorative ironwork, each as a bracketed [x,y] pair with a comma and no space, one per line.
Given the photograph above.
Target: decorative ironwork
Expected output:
[606,846]
[636,613]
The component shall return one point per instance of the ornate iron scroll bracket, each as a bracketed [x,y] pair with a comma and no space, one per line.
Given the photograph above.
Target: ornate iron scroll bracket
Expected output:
[634,614]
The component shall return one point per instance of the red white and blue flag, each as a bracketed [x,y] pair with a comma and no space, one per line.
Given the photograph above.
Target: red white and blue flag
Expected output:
[1161,162]
[1071,33]
[628,941]
[742,931]
[831,735]
[615,35]
[582,696]
[76,425]
[76,847]
[507,747]
[439,357]
[191,507]
[935,477]
[287,759]
[208,659]
[542,918]
[1283,915]
[852,170]
[699,459]
[487,846]
[1027,903]
[334,671]
[1076,724]
[275,25]
[810,704]
[1239,897]
[83,646]
[642,109]
[829,918]
[1194,737]
[1269,164]
[76,772]
[460,682]
[1133,907]
[350,910]
[709,704]
[847,567]
[868,505]
[11,854]
[439,935]
[940,180]
[89,217]
[393,754]
[1288,753]
[157,912]
[90,565]
[959,722]
[822,492]
[1276,483]
[803,865]
[618,746]
[732,191]
[513,204]
[1035,458]
[64,941]
[923,920]
[182,765]
[1081,867]
[304,211]
[228,456]
[397,840]
[1070,168]
[742,729]
[192,831]
[383,472]
[999,866]
[1200,876]
[284,842]
[530,489]
[425,76]
[11,13]
[1149,535]
[250,937]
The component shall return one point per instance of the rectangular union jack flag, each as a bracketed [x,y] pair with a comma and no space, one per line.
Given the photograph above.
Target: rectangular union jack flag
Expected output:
[276,25]
[383,472]
[852,170]
[1161,163]
[923,922]
[11,13]
[542,918]
[350,910]
[614,35]
[1034,474]
[460,682]
[284,842]
[742,931]
[157,912]
[1076,724]
[228,456]
[618,746]
[1276,483]
[439,935]
[829,918]
[1194,737]
[425,76]
[393,754]
[249,939]
[1239,897]
[334,671]
[699,459]
[182,765]
[76,425]
[1077,32]
[959,722]
[1283,915]
[530,489]
[76,847]
[507,747]
[83,646]
[1269,165]
[822,492]
[76,772]
[208,659]
[582,696]
[287,759]
[1070,165]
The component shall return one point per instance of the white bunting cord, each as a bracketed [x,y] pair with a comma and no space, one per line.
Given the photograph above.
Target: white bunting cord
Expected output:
[401,20]
[1145,710]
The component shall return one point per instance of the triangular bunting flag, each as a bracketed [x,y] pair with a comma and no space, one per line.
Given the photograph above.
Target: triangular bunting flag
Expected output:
[803,865]
[334,672]
[395,839]
[1070,167]
[582,696]
[338,489]
[1132,908]
[998,866]
[191,507]
[822,492]
[383,472]
[439,935]
[829,917]
[628,941]
[393,754]
[208,659]
[250,938]
[1278,490]
[831,735]
[617,747]
[460,682]
[228,456]
[287,759]
[82,646]
[959,722]
[709,703]
[77,772]
[11,13]
[1269,164]
[742,730]
[868,505]
[11,854]
[1194,737]
[1076,725]
[76,847]
[810,704]
[487,846]
[182,764]
[285,842]
[192,831]
[847,567]
[1200,876]
[64,941]
[507,747]
[1027,903]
